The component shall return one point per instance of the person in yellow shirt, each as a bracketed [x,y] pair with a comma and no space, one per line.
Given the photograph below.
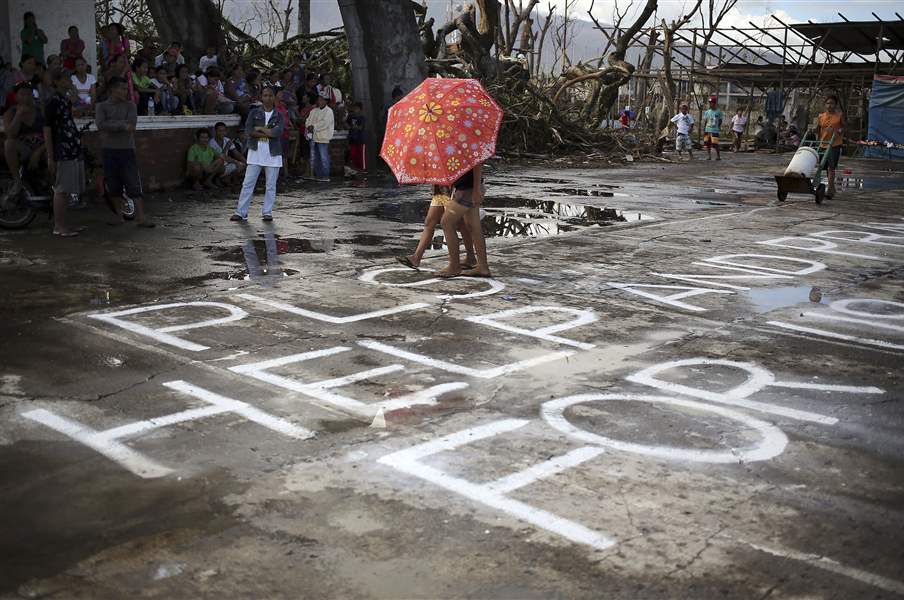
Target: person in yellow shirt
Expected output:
[828,123]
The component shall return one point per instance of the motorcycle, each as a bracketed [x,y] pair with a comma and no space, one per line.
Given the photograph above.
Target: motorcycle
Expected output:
[35,194]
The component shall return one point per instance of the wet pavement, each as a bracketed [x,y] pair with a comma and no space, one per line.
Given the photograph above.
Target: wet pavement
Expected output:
[673,387]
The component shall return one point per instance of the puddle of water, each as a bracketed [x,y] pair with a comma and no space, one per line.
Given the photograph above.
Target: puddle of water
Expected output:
[586,192]
[767,299]
[277,246]
[870,183]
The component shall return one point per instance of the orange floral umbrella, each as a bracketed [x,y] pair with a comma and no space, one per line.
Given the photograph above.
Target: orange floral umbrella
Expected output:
[441,130]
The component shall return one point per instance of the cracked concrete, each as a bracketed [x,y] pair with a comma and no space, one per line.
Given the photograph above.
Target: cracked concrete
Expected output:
[248,512]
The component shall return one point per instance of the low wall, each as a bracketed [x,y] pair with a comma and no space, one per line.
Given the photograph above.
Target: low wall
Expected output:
[162,144]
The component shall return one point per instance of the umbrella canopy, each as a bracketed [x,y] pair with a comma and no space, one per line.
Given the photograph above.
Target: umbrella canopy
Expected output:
[441,130]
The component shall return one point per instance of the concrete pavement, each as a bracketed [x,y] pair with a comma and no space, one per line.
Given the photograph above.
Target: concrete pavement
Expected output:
[701,400]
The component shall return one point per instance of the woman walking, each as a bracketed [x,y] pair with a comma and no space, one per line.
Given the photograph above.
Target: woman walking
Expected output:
[264,127]
[464,209]
[441,198]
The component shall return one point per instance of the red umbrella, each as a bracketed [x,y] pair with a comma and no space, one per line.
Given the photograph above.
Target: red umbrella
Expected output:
[441,130]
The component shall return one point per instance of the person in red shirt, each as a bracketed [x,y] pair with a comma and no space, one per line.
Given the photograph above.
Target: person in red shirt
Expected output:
[71,49]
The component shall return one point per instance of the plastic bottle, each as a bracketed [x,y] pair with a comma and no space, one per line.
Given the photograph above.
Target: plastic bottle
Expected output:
[150,107]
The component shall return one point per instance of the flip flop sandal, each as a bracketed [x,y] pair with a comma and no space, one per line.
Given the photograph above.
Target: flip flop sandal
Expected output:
[66,233]
[446,275]
[480,275]
[407,262]
[147,225]
[468,267]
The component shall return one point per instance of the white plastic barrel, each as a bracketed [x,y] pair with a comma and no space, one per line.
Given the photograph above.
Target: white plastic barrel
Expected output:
[804,163]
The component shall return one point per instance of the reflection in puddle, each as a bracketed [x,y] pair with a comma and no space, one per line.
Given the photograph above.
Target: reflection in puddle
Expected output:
[261,259]
[767,299]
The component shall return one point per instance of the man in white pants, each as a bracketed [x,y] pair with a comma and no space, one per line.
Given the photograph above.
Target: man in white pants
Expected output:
[264,127]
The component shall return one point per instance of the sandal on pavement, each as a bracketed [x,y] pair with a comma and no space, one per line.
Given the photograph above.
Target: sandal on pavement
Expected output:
[65,233]
[407,262]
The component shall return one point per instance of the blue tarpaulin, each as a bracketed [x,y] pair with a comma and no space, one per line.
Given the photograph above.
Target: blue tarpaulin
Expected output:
[886,117]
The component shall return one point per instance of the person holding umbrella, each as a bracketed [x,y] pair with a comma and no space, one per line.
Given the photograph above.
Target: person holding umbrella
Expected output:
[441,133]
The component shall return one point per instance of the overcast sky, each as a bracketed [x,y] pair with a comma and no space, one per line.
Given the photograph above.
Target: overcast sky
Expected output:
[325,13]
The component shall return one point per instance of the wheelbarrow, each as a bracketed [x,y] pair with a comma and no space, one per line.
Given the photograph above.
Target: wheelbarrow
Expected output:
[804,174]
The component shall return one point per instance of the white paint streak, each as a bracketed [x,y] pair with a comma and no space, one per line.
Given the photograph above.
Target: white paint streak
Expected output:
[836,335]
[107,442]
[673,299]
[750,273]
[863,237]
[495,285]
[407,461]
[453,368]
[162,334]
[772,442]
[828,317]
[242,409]
[319,390]
[581,317]
[545,469]
[824,247]
[757,379]
[842,307]
[329,318]
[815,266]
[827,564]
[119,453]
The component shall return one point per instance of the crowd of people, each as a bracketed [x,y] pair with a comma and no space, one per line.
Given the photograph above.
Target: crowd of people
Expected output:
[302,110]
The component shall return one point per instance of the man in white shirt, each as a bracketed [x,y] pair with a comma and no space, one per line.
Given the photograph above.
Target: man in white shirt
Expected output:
[684,121]
[208,60]
[234,166]
[321,126]
[738,123]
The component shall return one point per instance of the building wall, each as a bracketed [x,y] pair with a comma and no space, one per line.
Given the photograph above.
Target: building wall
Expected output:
[54,17]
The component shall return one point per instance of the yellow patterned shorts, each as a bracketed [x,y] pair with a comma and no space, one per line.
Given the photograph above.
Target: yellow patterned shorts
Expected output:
[710,139]
[439,200]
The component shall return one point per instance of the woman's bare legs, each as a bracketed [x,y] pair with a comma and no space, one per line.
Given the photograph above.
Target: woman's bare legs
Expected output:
[468,241]
[434,216]
[452,216]
[472,218]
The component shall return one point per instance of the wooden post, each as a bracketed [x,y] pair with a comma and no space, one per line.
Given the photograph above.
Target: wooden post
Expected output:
[692,90]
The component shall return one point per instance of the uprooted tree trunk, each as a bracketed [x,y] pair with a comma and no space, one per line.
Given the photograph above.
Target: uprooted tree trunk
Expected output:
[669,89]
[197,25]
[477,40]
[619,71]
[385,51]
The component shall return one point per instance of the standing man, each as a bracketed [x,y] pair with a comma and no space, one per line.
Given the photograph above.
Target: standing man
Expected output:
[116,119]
[264,127]
[321,125]
[828,124]
[684,122]
[712,123]
[64,159]
[738,124]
